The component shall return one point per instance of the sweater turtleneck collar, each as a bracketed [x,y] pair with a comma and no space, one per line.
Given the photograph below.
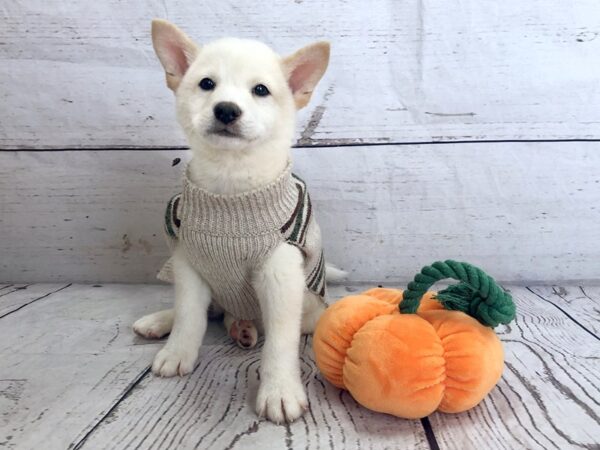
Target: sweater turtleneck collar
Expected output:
[260,211]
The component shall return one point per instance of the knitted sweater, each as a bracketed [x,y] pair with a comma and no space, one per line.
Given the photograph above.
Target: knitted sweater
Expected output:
[228,237]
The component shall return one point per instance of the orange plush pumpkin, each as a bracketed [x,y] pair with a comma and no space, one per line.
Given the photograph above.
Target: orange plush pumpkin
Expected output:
[398,357]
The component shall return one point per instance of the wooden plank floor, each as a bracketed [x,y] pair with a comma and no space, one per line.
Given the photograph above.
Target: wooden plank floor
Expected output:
[73,375]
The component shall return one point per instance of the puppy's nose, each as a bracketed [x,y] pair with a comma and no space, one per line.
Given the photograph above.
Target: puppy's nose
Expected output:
[227,112]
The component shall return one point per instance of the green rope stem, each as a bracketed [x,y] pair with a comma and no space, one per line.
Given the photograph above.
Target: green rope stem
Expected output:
[477,294]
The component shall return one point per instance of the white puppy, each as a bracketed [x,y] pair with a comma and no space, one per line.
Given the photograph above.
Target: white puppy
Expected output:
[236,101]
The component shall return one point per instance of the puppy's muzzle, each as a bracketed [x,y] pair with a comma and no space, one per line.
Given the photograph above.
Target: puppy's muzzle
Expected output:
[227,112]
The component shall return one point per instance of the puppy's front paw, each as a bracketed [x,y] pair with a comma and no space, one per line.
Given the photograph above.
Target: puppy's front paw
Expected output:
[173,361]
[281,399]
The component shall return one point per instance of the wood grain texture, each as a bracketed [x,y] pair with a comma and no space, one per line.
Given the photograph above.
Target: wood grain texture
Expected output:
[84,74]
[17,296]
[581,303]
[73,375]
[213,408]
[66,360]
[78,216]
[549,394]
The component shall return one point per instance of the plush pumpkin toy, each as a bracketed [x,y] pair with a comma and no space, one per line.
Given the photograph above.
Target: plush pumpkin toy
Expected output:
[414,352]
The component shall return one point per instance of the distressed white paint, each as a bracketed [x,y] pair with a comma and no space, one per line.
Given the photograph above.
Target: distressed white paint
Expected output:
[73,375]
[67,358]
[17,296]
[213,409]
[83,74]
[521,211]
[582,303]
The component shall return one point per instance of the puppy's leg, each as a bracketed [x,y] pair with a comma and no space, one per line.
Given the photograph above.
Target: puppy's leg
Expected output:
[243,332]
[279,285]
[192,298]
[314,306]
[155,325]
[311,312]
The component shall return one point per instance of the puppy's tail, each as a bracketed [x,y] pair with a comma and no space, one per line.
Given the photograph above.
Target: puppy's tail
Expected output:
[334,274]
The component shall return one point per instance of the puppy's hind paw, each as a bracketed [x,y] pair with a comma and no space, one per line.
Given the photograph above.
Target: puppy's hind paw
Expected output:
[154,326]
[244,333]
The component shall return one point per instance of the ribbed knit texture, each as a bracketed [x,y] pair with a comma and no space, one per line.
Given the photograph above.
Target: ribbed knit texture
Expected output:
[228,237]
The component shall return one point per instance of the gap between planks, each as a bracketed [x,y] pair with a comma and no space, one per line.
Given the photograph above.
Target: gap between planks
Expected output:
[583,327]
[317,143]
[31,301]
[79,442]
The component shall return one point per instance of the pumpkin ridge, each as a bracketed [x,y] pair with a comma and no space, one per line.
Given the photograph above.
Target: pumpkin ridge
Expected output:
[377,334]
[444,385]
[333,348]
[378,373]
[442,382]
[444,402]
[467,381]
[444,377]
[349,346]
[337,339]
[447,382]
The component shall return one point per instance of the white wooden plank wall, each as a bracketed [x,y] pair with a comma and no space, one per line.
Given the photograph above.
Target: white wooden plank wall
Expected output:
[385,211]
[83,76]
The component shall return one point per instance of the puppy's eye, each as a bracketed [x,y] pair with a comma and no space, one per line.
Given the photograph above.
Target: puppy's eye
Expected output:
[260,90]
[206,84]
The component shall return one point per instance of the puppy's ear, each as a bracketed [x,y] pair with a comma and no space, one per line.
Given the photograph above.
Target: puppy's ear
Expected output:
[304,69]
[174,49]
